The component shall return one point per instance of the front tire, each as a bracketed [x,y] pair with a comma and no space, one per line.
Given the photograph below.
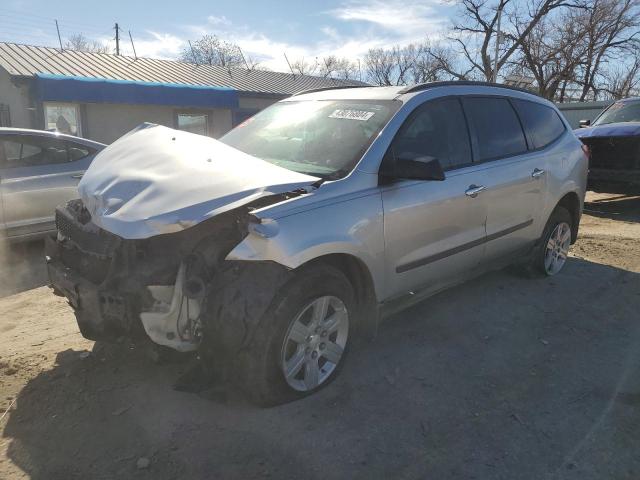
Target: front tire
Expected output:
[302,341]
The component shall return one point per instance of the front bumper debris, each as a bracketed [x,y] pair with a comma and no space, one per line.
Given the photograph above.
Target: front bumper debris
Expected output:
[101,314]
[176,289]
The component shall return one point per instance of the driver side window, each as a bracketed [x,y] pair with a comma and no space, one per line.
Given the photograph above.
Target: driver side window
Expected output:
[436,129]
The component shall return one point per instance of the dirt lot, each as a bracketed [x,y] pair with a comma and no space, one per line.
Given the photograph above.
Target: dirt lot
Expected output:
[501,378]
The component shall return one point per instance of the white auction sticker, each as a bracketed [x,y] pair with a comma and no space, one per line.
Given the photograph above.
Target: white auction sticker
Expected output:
[352,114]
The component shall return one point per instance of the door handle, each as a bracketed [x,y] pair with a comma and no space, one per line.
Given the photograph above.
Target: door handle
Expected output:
[537,173]
[77,175]
[474,190]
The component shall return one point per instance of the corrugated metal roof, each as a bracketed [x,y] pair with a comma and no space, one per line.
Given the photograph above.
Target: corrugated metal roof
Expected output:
[28,60]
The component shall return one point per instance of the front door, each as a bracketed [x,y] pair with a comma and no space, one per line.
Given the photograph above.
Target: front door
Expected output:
[434,230]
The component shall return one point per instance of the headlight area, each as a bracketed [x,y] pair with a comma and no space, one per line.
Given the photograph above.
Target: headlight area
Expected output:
[154,288]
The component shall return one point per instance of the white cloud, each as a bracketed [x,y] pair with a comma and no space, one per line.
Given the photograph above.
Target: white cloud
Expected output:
[356,27]
[221,20]
[157,45]
[409,20]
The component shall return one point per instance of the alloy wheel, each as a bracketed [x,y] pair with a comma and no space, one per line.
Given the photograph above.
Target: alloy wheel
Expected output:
[315,343]
[557,249]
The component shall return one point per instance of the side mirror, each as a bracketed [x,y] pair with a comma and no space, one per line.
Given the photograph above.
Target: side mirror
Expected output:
[584,123]
[417,168]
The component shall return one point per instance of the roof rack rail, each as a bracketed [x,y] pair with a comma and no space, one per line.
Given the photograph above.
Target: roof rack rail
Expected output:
[426,86]
[322,89]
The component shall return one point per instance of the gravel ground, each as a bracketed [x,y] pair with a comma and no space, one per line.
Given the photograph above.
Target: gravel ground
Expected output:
[501,378]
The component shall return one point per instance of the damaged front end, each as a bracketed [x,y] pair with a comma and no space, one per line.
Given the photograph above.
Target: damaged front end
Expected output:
[614,160]
[142,253]
[614,152]
[174,288]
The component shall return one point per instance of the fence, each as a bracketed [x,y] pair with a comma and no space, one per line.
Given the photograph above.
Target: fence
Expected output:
[576,111]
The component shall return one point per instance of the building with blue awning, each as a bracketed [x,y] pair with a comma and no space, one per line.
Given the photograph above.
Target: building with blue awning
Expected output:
[102,96]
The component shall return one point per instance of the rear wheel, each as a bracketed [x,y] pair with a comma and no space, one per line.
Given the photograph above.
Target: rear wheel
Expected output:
[303,339]
[552,250]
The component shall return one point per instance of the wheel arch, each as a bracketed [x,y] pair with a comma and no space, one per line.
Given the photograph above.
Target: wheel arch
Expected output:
[571,201]
[360,277]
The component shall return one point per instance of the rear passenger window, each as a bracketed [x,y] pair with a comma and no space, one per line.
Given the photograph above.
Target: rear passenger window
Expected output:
[497,128]
[436,129]
[26,151]
[542,123]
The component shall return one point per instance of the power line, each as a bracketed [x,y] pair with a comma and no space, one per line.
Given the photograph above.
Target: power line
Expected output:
[43,26]
[32,17]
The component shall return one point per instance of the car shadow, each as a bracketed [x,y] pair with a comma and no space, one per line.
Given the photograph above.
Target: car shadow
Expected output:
[22,267]
[615,207]
[502,377]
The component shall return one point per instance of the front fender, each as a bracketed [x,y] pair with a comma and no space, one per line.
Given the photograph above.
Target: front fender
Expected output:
[353,227]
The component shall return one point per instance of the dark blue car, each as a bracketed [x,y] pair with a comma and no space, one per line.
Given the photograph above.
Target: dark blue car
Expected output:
[614,141]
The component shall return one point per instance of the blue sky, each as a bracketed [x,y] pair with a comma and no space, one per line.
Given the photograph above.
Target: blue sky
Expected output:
[263,29]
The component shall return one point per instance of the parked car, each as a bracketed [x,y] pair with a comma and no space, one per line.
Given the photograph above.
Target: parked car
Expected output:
[614,141]
[38,170]
[271,250]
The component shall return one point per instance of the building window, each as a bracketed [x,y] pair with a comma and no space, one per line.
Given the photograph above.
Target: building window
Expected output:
[194,123]
[5,116]
[62,117]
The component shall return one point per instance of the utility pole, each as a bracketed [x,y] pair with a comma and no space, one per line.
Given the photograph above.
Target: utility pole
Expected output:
[59,38]
[495,62]
[117,39]
[133,46]
[290,68]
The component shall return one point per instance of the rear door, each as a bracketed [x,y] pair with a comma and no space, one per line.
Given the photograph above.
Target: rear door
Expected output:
[434,230]
[515,176]
[37,174]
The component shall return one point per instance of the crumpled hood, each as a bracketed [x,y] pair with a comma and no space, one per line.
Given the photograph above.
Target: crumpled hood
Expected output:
[622,129]
[158,180]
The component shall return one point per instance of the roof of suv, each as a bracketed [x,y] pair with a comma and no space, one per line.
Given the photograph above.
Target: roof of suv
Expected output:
[390,93]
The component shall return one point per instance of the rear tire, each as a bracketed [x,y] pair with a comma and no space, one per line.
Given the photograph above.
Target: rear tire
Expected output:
[551,251]
[296,336]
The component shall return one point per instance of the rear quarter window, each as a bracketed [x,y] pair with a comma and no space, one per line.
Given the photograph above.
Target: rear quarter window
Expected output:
[542,123]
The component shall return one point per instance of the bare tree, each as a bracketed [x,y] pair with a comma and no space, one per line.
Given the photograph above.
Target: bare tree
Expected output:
[380,65]
[79,42]
[624,81]
[551,53]
[444,61]
[210,50]
[611,31]
[475,32]
[304,67]
[334,67]
[433,62]
[413,63]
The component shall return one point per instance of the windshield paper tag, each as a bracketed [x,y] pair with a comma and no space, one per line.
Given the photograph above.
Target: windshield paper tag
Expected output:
[352,114]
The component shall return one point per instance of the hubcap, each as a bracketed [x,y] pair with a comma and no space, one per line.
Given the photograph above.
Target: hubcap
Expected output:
[314,343]
[557,249]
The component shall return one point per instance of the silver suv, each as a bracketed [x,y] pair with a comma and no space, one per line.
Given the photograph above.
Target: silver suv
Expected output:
[271,250]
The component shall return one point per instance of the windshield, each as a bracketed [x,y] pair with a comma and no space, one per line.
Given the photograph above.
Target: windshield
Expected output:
[620,112]
[323,138]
